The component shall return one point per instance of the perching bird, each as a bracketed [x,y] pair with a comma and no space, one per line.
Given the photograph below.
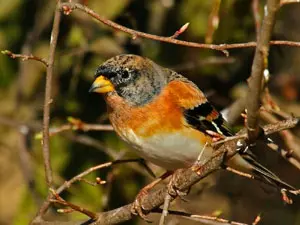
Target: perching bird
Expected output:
[165,116]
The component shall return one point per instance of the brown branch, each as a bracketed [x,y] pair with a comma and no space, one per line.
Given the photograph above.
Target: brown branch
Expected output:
[285,2]
[24,57]
[79,177]
[165,210]
[47,102]
[67,8]
[201,218]
[293,153]
[184,180]
[77,124]
[256,15]
[258,66]
[74,207]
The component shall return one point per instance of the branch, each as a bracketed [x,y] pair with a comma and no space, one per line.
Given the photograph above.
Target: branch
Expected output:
[24,57]
[185,178]
[260,63]
[68,7]
[80,177]
[292,154]
[77,124]
[48,100]
[256,15]
[203,218]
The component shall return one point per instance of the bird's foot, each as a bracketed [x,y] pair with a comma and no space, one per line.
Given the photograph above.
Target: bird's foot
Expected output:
[137,208]
[173,189]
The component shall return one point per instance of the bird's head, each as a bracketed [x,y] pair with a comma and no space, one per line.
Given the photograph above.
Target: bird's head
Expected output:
[138,80]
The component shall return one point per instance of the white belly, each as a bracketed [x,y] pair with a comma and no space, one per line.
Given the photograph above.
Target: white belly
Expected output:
[170,151]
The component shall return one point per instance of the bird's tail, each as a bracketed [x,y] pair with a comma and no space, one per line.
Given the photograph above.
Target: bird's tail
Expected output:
[246,163]
[263,174]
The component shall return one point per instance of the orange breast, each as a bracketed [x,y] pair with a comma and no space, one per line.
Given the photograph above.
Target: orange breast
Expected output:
[163,114]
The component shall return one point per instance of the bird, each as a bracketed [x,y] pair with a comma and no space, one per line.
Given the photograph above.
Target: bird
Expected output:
[165,117]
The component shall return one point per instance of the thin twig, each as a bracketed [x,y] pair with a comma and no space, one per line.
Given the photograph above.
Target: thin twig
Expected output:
[67,184]
[256,220]
[67,8]
[285,2]
[293,153]
[82,210]
[259,65]
[240,173]
[201,218]
[164,212]
[25,57]
[183,181]
[77,124]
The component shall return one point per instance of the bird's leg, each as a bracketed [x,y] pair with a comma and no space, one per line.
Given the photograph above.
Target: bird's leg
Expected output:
[173,190]
[137,208]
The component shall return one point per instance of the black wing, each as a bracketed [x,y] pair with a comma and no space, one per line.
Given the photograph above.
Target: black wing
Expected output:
[207,119]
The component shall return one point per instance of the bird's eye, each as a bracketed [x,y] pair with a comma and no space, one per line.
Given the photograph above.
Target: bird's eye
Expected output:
[125,75]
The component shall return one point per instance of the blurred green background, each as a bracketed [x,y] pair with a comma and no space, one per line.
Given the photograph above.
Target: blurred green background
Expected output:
[83,45]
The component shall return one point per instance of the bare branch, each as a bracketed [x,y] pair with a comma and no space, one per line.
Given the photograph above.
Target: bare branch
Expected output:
[77,124]
[285,2]
[61,201]
[184,180]
[47,102]
[24,57]
[202,218]
[69,6]
[293,153]
[260,63]
[80,176]
[256,15]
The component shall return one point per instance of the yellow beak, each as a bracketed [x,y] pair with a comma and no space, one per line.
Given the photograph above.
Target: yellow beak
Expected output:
[101,85]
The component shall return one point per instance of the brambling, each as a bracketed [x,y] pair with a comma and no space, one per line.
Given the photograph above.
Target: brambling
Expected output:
[165,116]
